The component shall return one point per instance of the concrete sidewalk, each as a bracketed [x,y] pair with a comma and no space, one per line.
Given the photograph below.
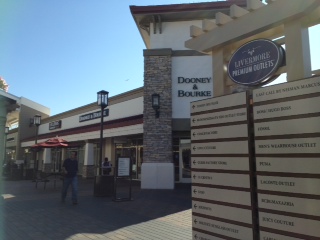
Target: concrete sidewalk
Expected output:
[27,213]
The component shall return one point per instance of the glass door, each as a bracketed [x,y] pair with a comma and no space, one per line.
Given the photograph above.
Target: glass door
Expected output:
[136,155]
[185,160]
[56,160]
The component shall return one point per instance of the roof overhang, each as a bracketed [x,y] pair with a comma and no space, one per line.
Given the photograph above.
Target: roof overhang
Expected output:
[10,101]
[145,15]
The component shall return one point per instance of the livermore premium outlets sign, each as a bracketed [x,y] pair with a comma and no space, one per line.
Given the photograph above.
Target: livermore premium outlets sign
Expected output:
[255,62]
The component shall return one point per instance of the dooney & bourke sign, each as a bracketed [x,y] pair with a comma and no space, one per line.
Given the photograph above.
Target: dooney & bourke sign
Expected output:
[255,62]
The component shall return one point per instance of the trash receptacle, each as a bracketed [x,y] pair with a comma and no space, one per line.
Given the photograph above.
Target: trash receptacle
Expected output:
[103,186]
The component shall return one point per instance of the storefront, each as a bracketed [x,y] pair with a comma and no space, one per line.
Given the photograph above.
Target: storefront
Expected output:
[155,135]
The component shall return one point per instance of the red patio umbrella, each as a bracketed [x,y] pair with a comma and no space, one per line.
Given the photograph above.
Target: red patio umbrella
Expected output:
[52,143]
[55,143]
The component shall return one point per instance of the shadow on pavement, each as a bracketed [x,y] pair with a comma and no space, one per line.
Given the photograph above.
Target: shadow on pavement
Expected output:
[27,212]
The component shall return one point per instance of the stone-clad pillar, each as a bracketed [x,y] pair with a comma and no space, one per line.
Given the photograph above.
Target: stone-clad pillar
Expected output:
[88,164]
[157,169]
[4,109]
[3,119]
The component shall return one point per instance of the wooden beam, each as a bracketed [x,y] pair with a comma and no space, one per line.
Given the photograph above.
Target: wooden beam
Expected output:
[256,22]
[236,11]
[195,31]
[208,25]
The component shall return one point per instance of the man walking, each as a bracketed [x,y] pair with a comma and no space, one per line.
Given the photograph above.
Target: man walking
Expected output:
[70,170]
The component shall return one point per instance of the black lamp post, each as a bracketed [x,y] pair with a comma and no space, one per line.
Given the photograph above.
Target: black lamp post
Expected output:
[102,101]
[156,103]
[36,122]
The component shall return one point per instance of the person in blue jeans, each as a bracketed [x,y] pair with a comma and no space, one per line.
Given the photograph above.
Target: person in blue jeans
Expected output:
[70,170]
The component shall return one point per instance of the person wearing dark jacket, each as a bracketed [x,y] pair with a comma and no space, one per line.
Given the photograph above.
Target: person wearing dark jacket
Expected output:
[106,166]
[70,171]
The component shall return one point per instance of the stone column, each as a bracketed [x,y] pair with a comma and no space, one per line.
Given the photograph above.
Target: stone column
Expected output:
[88,164]
[157,169]
[3,119]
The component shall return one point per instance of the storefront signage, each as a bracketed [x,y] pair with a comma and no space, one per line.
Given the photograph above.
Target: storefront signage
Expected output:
[94,115]
[240,130]
[221,195]
[290,204]
[220,211]
[311,125]
[286,146]
[289,184]
[221,179]
[285,90]
[220,228]
[194,92]
[255,62]
[228,116]
[230,147]
[123,167]
[290,224]
[227,163]
[55,125]
[226,101]
[287,164]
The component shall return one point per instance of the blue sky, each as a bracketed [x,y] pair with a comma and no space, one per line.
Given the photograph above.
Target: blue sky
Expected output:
[59,53]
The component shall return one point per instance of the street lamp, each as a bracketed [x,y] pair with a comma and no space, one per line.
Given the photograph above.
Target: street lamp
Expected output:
[36,122]
[102,101]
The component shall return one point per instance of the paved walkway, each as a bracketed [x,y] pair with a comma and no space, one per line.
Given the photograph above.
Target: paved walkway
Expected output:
[27,213]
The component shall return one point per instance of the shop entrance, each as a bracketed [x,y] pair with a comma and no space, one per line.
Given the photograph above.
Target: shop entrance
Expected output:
[135,152]
[56,160]
[185,161]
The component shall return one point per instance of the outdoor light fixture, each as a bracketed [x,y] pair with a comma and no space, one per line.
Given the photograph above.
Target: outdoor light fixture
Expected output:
[156,103]
[102,101]
[6,130]
[37,120]
[37,123]
[102,98]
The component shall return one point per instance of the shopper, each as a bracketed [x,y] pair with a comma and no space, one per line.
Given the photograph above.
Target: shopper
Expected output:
[70,170]
[106,166]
